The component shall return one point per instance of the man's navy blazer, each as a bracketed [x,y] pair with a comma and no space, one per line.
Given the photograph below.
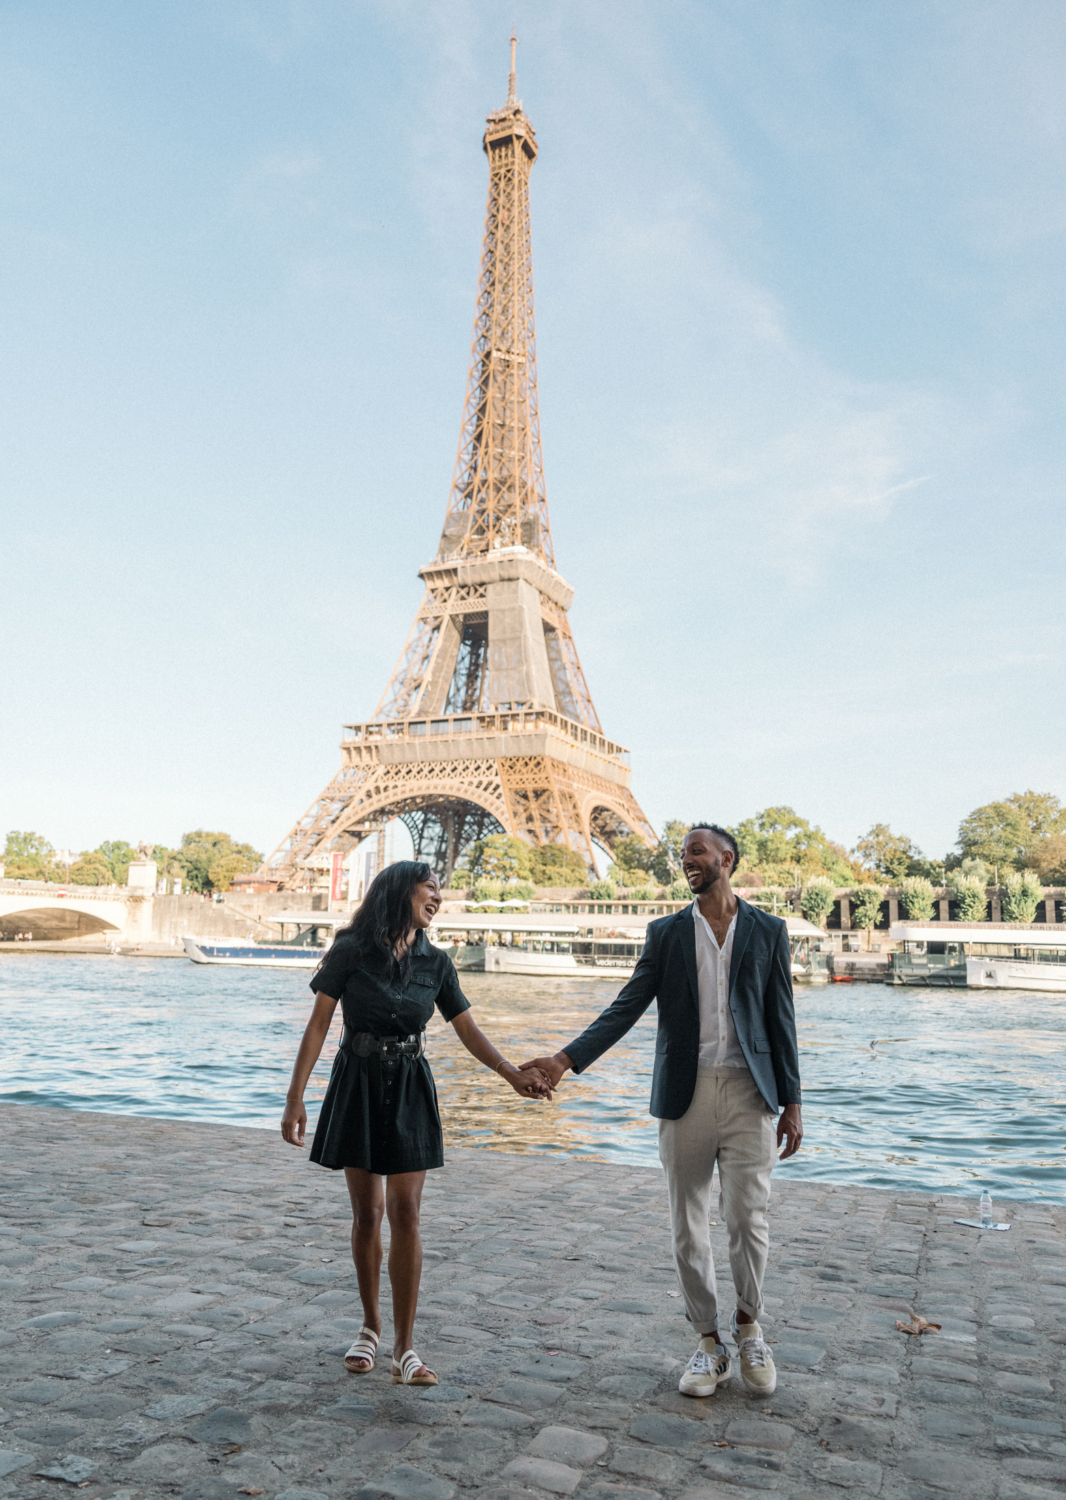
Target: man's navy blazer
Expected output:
[760,1001]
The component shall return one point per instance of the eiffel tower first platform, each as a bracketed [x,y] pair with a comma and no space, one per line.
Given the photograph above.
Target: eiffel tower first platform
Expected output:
[487,724]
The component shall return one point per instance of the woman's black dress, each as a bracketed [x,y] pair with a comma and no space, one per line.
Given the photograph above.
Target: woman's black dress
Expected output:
[380,1113]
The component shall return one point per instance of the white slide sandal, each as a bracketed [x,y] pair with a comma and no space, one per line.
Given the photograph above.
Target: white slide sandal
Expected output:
[364,1348]
[405,1371]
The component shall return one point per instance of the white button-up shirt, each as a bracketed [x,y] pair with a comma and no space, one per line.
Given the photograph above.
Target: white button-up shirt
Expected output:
[719,1047]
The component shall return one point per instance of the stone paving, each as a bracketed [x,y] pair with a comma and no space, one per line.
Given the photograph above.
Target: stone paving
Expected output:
[177,1299]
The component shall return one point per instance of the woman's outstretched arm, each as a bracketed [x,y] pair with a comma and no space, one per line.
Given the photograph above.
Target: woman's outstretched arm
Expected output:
[529,1082]
[294,1120]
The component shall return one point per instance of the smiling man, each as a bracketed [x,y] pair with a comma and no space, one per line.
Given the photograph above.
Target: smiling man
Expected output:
[726,1061]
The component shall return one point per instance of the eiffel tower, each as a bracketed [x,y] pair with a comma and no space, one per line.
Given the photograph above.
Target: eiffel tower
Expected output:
[487,724]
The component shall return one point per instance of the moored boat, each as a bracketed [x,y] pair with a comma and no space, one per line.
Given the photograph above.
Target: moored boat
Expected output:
[594,947]
[305,950]
[981,955]
[251,955]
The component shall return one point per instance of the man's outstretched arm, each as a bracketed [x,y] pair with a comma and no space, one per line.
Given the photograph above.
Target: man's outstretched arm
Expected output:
[614,1022]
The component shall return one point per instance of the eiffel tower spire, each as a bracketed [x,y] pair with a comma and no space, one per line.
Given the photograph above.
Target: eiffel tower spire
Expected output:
[497,495]
[487,723]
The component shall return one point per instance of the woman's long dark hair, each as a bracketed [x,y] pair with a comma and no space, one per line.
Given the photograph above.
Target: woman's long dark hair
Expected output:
[384,918]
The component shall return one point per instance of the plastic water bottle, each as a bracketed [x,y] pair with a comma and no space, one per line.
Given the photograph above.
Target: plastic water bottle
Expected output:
[986,1210]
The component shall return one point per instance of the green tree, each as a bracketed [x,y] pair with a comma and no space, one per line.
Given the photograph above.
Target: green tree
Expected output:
[890,855]
[933,870]
[917,896]
[118,855]
[552,864]
[91,868]
[168,863]
[1005,833]
[971,895]
[602,890]
[817,898]
[679,890]
[1022,894]
[498,857]
[210,860]
[632,857]
[866,905]
[506,858]
[1048,858]
[779,844]
[29,856]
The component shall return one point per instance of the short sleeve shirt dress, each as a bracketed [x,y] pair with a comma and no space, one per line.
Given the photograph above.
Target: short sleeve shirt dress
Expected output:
[380,1113]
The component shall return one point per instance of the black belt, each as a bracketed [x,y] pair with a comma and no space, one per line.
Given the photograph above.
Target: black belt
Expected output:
[362,1044]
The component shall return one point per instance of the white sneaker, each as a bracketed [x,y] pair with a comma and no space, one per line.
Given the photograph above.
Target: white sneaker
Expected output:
[757,1369]
[706,1370]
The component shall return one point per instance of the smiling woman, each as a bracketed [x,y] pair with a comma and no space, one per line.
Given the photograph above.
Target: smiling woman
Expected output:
[379,1119]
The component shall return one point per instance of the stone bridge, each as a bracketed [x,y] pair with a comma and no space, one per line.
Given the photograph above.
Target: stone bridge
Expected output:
[52,912]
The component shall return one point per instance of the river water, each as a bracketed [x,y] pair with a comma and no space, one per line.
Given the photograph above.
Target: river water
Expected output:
[927,1090]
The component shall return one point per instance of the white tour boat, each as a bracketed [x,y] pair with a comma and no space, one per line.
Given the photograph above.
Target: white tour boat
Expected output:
[305,950]
[991,955]
[586,946]
[540,945]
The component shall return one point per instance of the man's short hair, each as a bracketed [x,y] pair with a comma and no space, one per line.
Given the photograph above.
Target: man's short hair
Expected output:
[723,833]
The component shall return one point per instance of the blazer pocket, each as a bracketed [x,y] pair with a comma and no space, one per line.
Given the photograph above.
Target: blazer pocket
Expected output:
[761,1044]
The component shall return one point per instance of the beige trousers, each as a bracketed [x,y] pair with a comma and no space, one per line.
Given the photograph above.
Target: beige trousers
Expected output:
[728,1122]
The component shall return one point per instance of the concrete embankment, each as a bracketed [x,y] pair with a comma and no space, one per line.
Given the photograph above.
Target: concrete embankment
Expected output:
[178,1298]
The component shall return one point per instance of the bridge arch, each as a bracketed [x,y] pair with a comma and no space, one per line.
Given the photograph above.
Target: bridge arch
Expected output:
[53,923]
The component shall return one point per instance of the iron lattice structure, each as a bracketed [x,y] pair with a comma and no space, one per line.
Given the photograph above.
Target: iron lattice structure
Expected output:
[487,724]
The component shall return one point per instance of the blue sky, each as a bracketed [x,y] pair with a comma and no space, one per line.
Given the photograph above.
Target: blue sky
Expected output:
[799,274]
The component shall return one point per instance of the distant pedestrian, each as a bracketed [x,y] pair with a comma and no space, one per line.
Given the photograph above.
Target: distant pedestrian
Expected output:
[379,1118]
[726,1060]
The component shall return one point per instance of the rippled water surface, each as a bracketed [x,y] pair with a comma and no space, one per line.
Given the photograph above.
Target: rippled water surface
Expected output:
[905,1088]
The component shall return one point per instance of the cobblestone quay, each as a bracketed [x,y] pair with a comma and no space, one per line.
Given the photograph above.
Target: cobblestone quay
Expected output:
[177,1299]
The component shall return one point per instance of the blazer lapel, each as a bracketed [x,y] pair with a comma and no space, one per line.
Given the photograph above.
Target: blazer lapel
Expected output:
[745,924]
[688,948]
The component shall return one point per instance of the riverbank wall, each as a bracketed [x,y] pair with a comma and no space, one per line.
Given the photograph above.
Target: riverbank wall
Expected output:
[179,1297]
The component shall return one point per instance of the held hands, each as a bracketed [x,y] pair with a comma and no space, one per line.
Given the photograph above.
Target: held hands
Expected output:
[790,1130]
[531,1082]
[294,1122]
[552,1068]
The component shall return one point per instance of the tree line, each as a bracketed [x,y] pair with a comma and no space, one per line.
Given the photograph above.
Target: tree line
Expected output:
[203,861]
[1021,838]
[1018,843]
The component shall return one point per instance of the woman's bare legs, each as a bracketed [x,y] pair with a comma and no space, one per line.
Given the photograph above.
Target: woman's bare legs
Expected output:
[400,1196]
[367,1193]
[403,1203]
